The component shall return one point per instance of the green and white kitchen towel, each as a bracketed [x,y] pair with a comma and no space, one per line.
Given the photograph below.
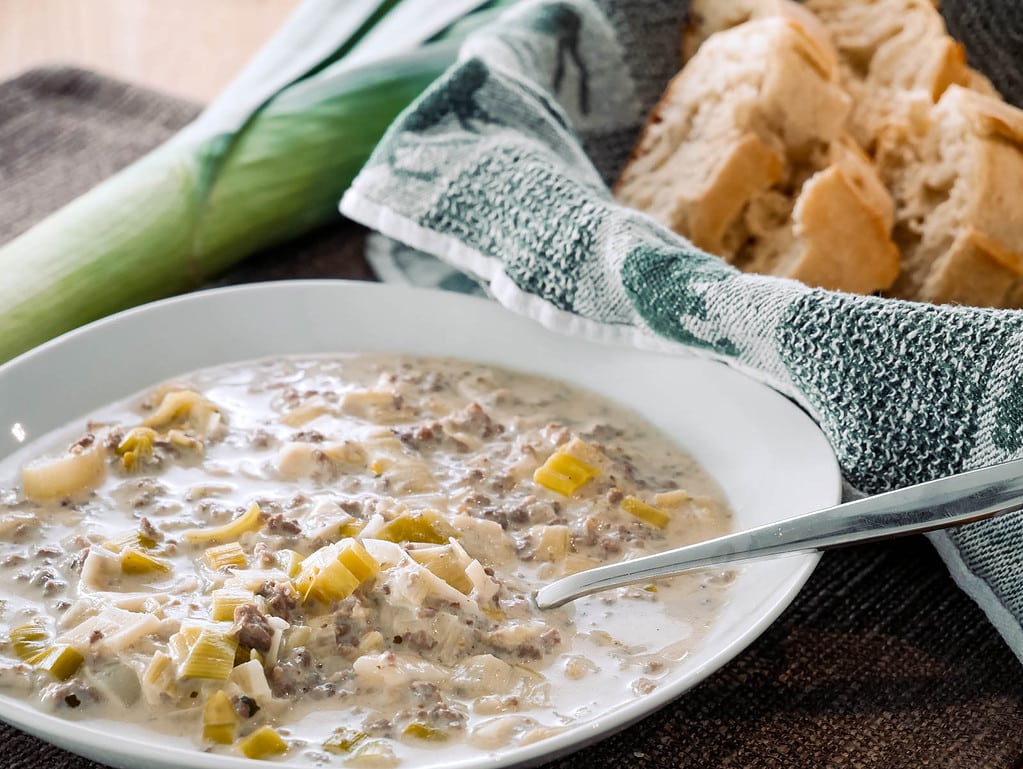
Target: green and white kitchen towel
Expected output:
[501,170]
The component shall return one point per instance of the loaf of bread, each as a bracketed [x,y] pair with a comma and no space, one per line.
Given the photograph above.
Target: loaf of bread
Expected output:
[844,143]
[746,155]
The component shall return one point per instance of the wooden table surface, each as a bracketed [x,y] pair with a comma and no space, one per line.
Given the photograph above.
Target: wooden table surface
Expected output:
[189,48]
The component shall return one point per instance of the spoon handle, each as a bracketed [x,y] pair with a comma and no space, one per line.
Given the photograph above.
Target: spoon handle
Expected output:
[938,504]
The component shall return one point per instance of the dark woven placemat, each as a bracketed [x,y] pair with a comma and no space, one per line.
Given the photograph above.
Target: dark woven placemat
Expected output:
[880,661]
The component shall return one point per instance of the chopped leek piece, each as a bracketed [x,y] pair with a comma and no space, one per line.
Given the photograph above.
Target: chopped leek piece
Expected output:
[373,753]
[575,563]
[564,473]
[158,669]
[221,556]
[646,513]
[136,445]
[446,564]
[222,734]
[219,720]
[132,539]
[368,404]
[60,661]
[182,642]
[290,562]
[421,526]
[251,520]
[180,407]
[673,498]
[334,571]
[357,559]
[553,542]
[262,743]
[305,413]
[29,640]
[343,740]
[495,614]
[183,440]
[299,635]
[582,450]
[134,561]
[351,528]
[226,600]
[421,731]
[324,578]
[212,656]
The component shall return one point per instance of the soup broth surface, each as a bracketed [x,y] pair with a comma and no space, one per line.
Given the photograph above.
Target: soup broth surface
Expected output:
[333,558]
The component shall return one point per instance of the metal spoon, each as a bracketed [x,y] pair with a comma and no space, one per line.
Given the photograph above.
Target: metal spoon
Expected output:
[951,501]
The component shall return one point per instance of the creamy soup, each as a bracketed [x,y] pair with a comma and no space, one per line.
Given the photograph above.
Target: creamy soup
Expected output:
[333,558]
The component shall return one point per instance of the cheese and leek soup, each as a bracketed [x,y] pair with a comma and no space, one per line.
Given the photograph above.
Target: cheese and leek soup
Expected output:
[333,558]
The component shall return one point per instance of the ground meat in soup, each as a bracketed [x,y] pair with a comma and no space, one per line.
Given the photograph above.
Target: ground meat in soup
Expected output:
[341,550]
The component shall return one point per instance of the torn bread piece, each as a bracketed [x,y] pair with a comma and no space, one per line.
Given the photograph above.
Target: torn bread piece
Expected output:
[955,173]
[707,17]
[837,236]
[746,156]
[892,55]
[892,52]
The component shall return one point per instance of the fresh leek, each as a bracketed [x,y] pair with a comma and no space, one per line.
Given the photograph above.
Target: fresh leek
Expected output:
[266,162]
